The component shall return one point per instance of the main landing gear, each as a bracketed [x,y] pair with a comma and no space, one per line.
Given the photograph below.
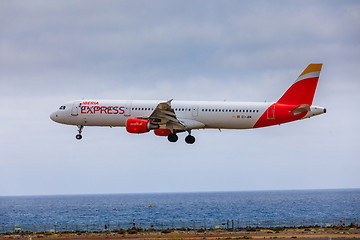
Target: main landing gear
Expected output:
[189,139]
[79,136]
[173,138]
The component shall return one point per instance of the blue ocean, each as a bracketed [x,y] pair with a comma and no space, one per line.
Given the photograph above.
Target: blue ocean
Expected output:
[181,210]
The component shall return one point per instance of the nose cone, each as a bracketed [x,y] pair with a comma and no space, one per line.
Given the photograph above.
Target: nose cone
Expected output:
[54,116]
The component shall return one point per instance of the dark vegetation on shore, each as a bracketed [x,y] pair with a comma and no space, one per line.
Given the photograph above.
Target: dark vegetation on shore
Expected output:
[134,230]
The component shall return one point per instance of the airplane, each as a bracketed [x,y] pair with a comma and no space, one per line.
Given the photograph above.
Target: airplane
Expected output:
[167,118]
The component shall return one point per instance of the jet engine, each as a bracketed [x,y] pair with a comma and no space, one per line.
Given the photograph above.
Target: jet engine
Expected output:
[135,125]
[162,132]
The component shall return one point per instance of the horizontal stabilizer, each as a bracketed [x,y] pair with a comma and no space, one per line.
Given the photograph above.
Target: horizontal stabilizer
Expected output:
[300,109]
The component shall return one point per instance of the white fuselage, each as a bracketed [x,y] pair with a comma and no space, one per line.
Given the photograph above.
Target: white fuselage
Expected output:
[196,114]
[225,115]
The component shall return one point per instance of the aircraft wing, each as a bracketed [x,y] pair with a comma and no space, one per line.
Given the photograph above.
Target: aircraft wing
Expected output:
[165,116]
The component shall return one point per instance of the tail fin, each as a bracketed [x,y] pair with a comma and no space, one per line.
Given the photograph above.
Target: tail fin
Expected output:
[303,90]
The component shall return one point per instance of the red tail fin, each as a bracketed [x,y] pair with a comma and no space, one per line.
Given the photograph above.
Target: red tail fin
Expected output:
[296,101]
[303,90]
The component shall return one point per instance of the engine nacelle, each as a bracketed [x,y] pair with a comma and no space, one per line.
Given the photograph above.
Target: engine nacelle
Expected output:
[162,132]
[135,125]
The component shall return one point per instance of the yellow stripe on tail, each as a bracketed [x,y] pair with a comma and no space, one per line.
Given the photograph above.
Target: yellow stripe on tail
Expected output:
[313,67]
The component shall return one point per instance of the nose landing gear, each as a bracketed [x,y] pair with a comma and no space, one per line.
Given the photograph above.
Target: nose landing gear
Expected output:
[79,136]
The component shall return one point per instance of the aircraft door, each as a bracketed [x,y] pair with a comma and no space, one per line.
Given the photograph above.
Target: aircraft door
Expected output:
[127,111]
[271,112]
[75,109]
[195,111]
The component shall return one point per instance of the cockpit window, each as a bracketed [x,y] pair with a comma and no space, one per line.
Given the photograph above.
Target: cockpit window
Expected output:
[62,108]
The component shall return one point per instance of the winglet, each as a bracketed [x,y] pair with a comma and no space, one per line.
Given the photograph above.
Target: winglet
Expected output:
[303,90]
[169,101]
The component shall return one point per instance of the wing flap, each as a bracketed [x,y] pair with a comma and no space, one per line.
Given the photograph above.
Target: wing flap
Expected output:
[192,124]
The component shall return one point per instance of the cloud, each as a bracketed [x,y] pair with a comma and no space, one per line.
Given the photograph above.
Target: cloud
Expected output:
[53,52]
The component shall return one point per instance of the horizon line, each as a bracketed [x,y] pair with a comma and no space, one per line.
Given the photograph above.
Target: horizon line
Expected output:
[184,192]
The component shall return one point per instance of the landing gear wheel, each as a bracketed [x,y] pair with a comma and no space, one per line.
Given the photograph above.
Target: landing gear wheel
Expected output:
[78,137]
[173,137]
[190,139]
[80,128]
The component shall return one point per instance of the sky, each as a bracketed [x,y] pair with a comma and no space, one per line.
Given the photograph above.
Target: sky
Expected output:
[52,52]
